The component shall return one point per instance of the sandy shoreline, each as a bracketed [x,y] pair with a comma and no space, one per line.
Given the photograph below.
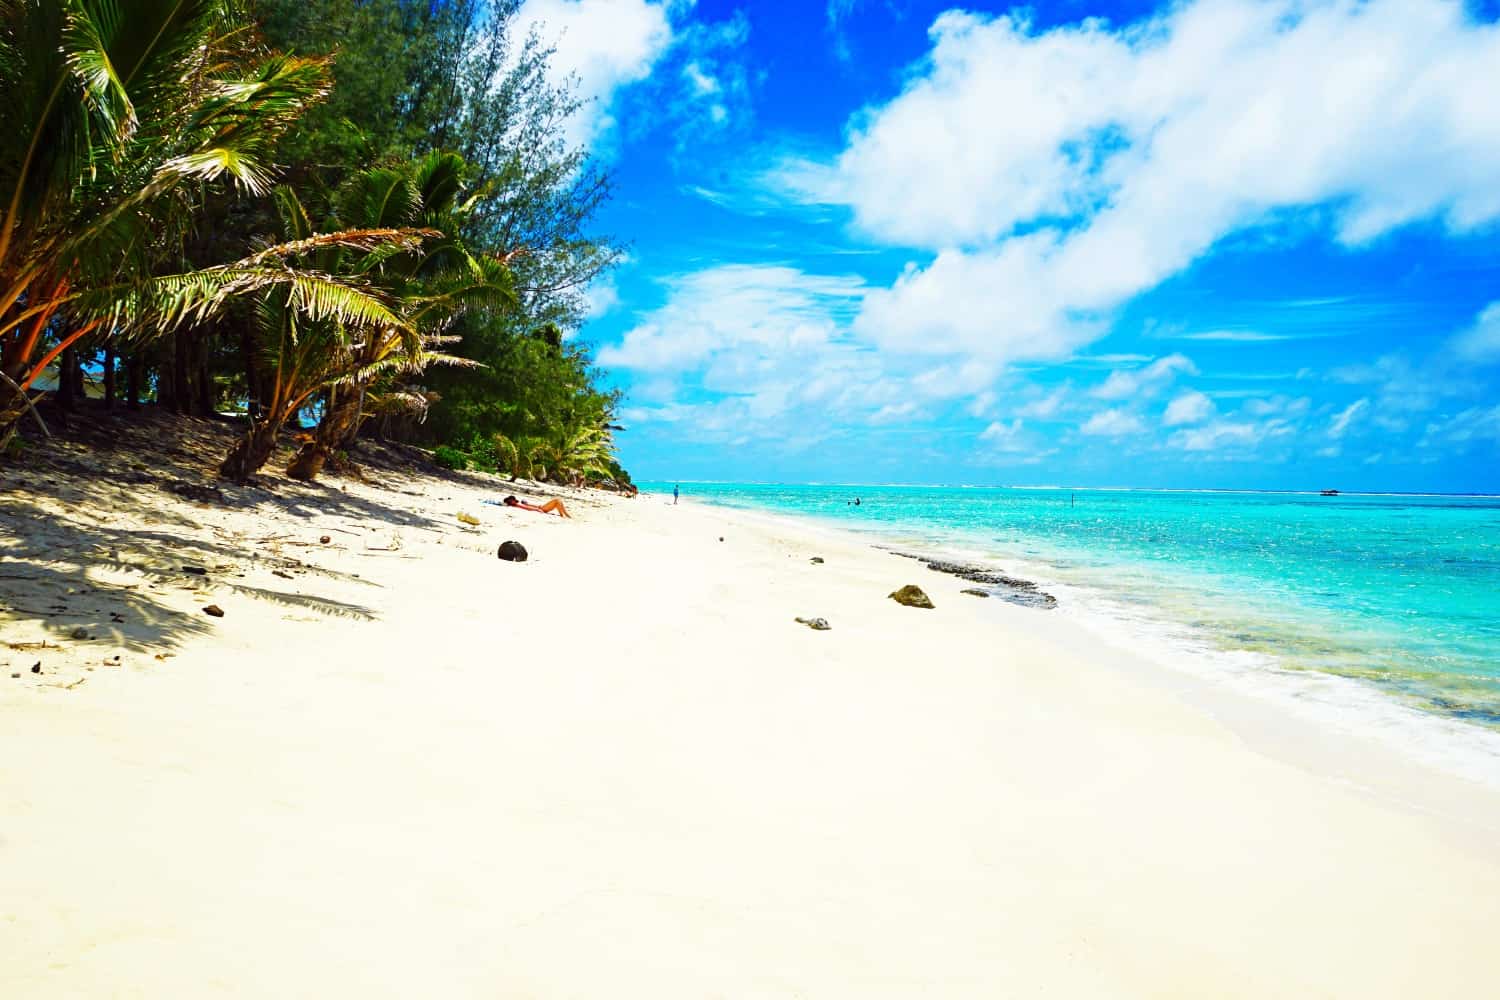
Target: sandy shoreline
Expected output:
[398,766]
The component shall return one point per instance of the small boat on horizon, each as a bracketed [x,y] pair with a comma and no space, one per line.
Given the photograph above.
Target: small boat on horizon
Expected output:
[1329,493]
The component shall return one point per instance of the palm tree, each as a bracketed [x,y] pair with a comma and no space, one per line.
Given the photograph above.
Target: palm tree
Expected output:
[116,115]
[521,456]
[430,286]
[586,452]
[575,451]
[306,323]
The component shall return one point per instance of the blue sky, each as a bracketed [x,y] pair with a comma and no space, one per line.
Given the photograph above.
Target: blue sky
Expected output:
[1223,243]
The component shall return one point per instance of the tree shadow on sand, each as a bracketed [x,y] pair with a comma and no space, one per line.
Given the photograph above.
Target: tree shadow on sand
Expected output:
[80,579]
[95,553]
[116,528]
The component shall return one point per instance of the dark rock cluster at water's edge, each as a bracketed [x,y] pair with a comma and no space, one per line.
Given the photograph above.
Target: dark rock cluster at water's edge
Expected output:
[1008,588]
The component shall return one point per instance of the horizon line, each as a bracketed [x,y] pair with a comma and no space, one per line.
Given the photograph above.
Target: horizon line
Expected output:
[1079,489]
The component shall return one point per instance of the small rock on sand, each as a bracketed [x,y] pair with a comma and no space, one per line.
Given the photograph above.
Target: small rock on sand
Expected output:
[912,596]
[975,591]
[512,552]
[326,539]
[817,560]
[816,624]
[214,611]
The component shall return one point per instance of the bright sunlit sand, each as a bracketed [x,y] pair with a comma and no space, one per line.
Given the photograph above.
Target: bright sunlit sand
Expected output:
[398,766]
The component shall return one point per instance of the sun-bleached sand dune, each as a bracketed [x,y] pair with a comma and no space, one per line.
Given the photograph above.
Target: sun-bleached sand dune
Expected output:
[398,766]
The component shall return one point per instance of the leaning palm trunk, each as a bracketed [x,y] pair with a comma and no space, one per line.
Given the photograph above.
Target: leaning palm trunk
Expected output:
[14,404]
[251,452]
[342,427]
[12,408]
[335,433]
[254,450]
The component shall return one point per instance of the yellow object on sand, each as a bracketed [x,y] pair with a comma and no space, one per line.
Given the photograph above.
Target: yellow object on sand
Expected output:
[469,519]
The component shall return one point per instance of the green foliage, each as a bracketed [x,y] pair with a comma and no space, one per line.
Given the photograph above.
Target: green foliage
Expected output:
[306,329]
[536,397]
[428,281]
[483,455]
[119,120]
[456,76]
[507,456]
[389,181]
[450,458]
[396,62]
[457,113]
[619,475]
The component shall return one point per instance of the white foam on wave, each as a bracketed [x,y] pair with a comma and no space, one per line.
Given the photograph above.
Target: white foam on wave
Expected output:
[1357,711]
[1346,705]
[1332,703]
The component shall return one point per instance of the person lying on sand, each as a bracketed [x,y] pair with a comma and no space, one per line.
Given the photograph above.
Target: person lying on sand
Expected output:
[553,506]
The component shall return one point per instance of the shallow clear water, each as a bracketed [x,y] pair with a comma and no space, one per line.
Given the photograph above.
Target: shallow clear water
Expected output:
[1399,591]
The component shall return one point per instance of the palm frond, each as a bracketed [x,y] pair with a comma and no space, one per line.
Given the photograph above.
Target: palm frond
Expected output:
[366,240]
[86,52]
[439,180]
[402,401]
[383,196]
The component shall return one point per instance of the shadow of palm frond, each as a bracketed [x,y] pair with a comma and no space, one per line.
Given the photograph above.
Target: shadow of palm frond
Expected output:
[305,602]
[94,546]
[48,580]
[62,602]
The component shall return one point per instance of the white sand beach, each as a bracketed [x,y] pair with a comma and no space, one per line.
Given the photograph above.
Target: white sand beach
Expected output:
[400,767]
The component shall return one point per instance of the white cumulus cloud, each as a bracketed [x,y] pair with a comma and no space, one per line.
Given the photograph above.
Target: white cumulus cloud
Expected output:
[1003,436]
[1055,174]
[740,315]
[1190,407]
[602,297]
[774,341]
[1147,381]
[605,45]
[1046,407]
[1113,423]
[1481,342]
[1232,437]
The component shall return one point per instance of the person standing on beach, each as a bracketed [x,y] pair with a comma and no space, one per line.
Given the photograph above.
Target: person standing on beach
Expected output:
[675,490]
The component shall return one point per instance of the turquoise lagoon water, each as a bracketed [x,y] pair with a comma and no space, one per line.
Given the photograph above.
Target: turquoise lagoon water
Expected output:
[1400,592]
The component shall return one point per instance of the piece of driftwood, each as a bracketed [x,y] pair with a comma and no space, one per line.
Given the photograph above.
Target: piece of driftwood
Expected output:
[30,404]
